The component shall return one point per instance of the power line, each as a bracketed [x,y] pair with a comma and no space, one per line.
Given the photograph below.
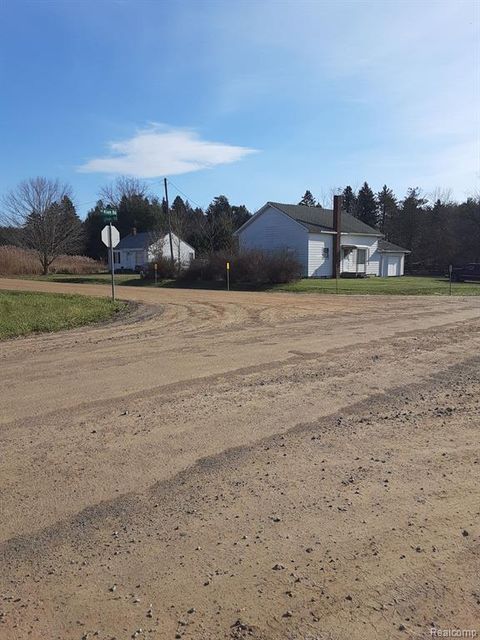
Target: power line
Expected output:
[184,194]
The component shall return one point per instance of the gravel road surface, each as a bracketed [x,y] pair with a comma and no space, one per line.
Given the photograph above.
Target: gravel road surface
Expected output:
[242,465]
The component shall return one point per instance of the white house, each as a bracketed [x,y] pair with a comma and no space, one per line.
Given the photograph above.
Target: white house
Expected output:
[310,233]
[136,250]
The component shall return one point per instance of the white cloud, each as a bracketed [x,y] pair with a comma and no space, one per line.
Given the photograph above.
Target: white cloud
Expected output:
[403,73]
[158,151]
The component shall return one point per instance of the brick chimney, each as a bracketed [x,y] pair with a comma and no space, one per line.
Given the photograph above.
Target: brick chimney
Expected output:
[337,226]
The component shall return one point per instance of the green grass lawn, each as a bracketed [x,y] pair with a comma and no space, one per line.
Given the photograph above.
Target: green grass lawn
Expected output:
[22,313]
[405,285]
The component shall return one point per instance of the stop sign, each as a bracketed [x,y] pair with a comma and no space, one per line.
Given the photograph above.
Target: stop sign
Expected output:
[106,235]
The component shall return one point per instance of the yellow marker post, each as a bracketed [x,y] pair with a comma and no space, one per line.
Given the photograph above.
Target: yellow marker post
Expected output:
[228,276]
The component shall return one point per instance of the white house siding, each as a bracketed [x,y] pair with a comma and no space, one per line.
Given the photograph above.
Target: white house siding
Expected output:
[272,230]
[319,264]
[367,242]
[129,258]
[182,251]
[392,264]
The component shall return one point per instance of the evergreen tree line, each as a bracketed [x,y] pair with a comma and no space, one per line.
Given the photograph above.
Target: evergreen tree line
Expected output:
[205,230]
[438,232]
[40,214]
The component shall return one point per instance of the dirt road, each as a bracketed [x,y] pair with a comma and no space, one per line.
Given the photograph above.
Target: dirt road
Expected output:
[242,465]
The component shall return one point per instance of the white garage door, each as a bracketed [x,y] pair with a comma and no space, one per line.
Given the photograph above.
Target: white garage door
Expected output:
[393,268]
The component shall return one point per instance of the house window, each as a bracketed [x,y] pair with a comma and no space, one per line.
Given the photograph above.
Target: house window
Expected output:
[361,260]
[116,257]
[326,252]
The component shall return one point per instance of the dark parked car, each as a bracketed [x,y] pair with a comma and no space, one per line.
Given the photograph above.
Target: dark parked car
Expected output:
[468,272]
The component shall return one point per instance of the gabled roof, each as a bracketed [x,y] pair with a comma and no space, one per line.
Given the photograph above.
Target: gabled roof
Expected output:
[143,240]
[388,247]
[317,220]
[136,241]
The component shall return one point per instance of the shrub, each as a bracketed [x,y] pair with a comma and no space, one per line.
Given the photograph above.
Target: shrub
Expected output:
[15,261]
[254,267]
[166,270]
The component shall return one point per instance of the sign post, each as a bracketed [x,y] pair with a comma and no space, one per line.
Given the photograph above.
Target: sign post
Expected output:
[110,238]
[228,276]
[450,270]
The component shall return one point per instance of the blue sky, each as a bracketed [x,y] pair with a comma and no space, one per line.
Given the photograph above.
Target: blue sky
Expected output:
[255,100]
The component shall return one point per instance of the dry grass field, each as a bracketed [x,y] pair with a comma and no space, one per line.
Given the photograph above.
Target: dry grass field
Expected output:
[243,465]
[15,261]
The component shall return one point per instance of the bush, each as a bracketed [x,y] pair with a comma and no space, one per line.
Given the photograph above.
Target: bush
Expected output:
[15,261]
[254,267]
[166,270]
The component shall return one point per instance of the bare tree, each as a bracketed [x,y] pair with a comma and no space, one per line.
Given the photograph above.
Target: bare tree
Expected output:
[123,186]
[440,194]
[325,199]
[43,215]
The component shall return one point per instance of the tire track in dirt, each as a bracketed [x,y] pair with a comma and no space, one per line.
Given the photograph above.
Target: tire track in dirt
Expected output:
[200,419]
[183,541]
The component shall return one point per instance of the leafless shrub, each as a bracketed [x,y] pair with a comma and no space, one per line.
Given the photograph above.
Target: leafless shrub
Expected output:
[252,267]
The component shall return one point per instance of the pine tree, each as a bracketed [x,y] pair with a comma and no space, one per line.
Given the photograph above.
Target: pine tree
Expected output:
[387,209]
[349,200]
[93,225]
[71,220]
[308,200]
[410,223]
[220,224]
[136,211]
[240,215]
[366,209]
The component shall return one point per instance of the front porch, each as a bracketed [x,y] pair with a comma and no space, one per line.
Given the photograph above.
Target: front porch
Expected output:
[353,261]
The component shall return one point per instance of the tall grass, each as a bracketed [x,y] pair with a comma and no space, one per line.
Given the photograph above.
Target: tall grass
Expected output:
[23,262]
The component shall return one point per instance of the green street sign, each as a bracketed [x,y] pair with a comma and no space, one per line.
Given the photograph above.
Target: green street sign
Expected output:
[109,214]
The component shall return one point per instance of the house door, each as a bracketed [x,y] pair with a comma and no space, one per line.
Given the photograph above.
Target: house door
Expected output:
[348,260]
[361,260]
[393,266]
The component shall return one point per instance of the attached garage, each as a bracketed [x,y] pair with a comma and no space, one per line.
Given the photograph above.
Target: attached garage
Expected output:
[392,265]
[309,232]
[392,261]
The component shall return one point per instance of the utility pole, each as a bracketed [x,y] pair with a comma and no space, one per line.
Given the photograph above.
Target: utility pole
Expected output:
[337,227]
[172,257]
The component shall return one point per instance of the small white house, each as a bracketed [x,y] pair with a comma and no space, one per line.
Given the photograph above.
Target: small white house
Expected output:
[136,250]
[309,232]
